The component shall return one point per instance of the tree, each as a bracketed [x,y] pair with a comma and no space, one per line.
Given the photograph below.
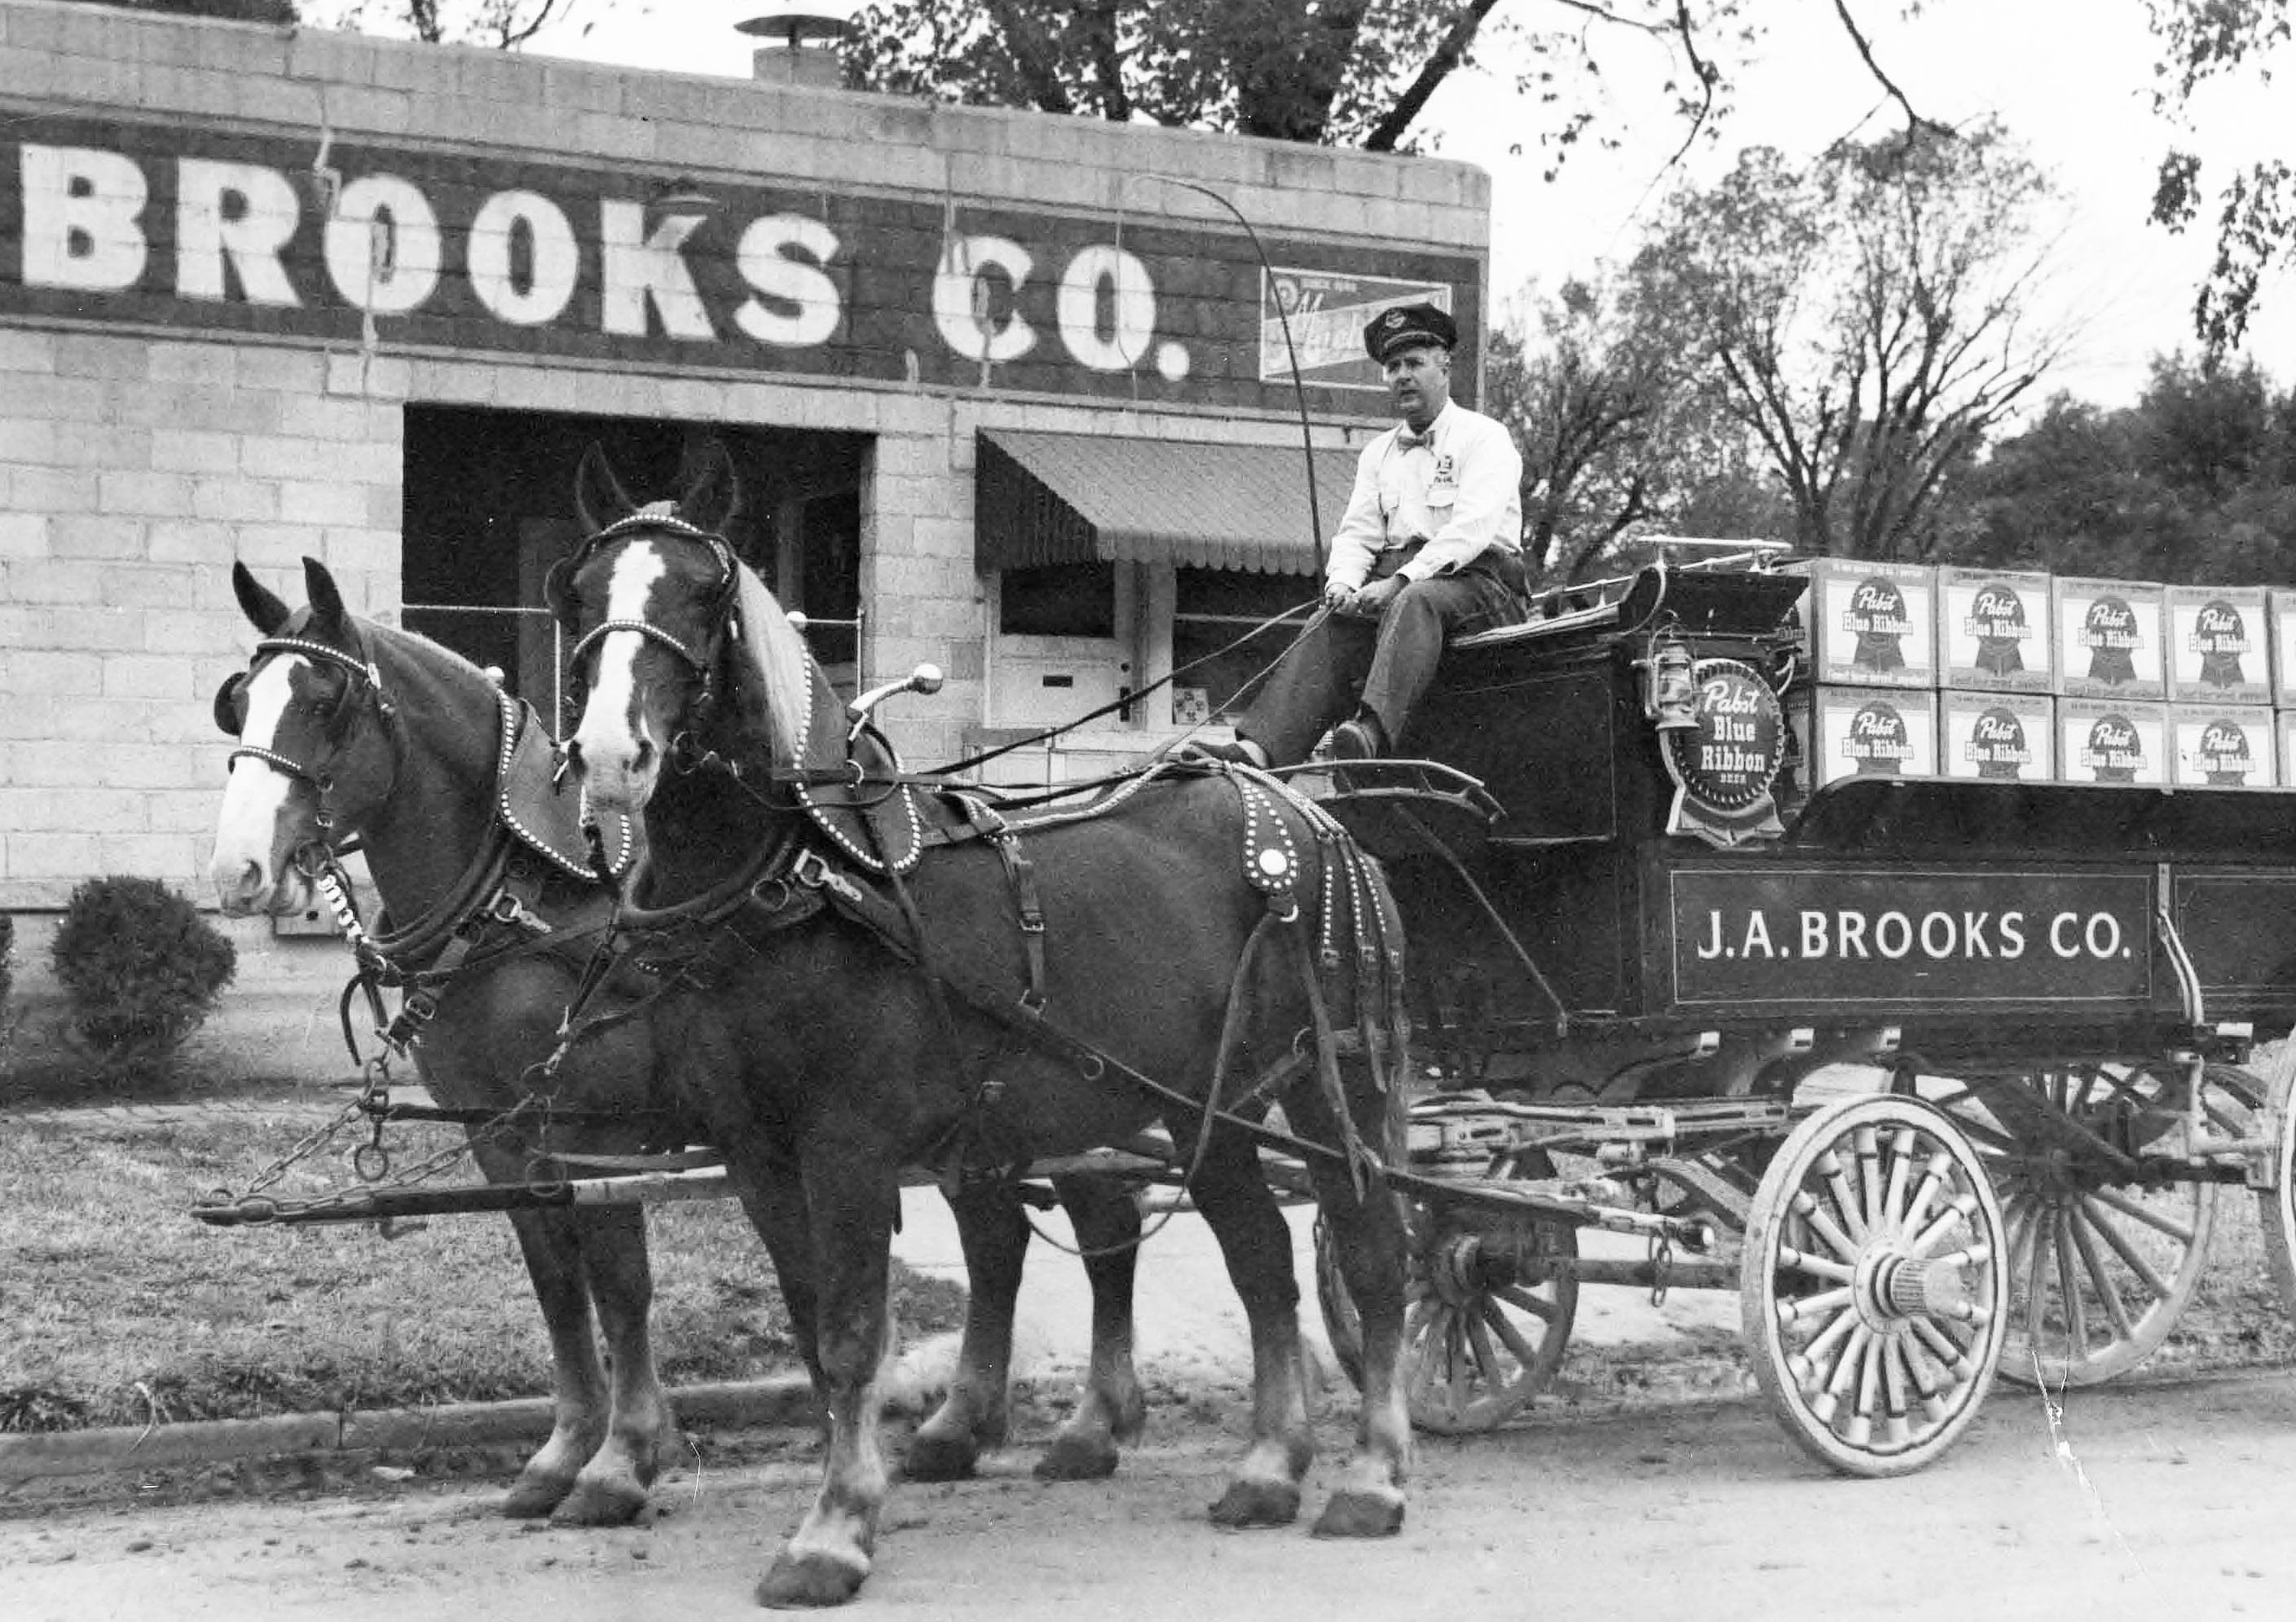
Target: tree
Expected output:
[2196,482]
[2205,43]
[503,24]
[1861,315]
[1616,437]
[1340,72]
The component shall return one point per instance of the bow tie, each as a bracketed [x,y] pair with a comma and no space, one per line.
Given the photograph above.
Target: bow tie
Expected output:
[1406,440]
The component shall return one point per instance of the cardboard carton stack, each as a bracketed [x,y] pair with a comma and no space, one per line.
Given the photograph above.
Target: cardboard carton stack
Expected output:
[2033,677]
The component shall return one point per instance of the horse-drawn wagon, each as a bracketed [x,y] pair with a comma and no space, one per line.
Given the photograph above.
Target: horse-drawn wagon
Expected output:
[1947,1068]
[1933,1073]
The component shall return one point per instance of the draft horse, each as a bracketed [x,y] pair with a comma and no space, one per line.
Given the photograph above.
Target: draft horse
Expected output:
[349,731]
[866,974]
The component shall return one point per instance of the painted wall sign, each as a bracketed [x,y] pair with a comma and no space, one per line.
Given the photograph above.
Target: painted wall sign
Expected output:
[1882,936]
[438,250]
[1327,314]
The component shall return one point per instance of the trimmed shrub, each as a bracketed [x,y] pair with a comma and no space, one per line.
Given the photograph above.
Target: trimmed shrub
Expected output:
[7,963]
[143,968]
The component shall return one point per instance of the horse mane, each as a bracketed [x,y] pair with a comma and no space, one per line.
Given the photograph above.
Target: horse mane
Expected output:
[795,694]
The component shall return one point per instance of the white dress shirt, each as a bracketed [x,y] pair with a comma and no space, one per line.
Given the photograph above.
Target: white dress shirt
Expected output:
[1459,488]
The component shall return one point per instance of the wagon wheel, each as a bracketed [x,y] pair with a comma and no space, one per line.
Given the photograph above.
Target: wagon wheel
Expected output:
[1871,1285]
[1479,1340]
[2101,1267]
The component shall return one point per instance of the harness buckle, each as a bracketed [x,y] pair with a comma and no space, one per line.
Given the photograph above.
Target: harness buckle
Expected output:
[505,908]
[812,870]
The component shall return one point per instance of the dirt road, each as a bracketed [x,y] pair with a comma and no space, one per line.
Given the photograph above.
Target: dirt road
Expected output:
[2167,1500]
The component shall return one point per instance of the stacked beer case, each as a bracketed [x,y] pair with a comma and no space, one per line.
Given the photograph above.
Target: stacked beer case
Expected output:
[2028,676]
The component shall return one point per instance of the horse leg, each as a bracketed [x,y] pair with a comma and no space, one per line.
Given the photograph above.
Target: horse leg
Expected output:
[1264,1490]
[1368,1236]
[995,1235]
[1111,1409]
[852,1195]
[612,1488]
[579,1390]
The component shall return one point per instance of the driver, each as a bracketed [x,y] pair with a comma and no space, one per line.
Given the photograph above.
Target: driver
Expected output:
[1431,546]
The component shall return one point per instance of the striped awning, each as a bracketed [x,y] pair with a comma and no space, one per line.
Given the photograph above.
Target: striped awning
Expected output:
[1076,498]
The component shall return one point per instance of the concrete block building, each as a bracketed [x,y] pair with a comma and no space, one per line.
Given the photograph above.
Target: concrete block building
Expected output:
[1009,393]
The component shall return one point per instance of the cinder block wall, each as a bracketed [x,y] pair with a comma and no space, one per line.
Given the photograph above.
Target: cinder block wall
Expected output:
[136,464]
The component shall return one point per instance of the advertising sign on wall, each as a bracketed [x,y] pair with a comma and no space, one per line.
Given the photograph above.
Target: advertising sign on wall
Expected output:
[1327,313]
[423,247]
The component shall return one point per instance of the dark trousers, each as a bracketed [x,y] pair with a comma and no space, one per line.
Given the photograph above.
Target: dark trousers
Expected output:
[1383,665]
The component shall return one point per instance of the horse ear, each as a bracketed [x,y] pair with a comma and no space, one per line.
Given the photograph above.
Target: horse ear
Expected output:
[599,497]
[713,488]
[328,615]
[264,610]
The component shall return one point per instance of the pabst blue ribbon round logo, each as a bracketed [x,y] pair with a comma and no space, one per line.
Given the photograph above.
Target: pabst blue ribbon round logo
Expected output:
[1877,740]
[1996,744]
[1997,619]
[1734,756]
[2220,636]
[2114,751]
[1878,618]
[2224,756]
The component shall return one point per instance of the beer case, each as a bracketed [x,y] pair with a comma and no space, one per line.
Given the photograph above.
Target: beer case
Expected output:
[2281,607]
[1870,624]
[2217,645]
[2109,740]
[1994,631]
[1864,732]
[2008,737]
[2109,639]
[2223,746]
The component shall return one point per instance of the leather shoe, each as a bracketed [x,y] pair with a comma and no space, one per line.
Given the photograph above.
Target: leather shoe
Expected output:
[1359,740]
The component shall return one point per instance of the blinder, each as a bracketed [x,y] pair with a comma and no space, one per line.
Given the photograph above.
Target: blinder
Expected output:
[231,704]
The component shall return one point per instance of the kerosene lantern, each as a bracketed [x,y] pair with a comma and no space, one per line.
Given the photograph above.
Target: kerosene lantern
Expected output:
[1669,695]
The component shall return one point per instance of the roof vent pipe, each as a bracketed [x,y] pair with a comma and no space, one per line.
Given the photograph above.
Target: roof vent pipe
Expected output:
[801,39]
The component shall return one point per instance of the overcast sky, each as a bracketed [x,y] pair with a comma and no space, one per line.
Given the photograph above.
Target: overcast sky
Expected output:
[2071,77]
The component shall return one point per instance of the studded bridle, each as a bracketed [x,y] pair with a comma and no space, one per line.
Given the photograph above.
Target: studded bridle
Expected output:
[702,660]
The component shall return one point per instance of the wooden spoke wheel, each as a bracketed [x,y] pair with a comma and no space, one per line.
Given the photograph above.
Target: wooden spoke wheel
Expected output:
[1483,1332]
[2100,1266]
[1872,1284]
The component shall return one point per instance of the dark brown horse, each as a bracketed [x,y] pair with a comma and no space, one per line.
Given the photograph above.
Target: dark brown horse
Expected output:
[865,977]
[349,729]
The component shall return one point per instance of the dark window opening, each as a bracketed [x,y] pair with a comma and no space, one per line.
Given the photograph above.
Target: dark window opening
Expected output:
[489,506]
[1213,609]
[1059,599]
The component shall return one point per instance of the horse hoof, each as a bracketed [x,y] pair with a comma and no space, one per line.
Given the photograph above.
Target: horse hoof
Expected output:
[600,1503]
[532,1498]
[807,1582]
[1257,1503]
[1359,1515]
[1078,1458]
[936,1458]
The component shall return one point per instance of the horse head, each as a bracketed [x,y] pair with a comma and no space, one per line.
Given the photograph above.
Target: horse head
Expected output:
[315,751]
[678,647]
